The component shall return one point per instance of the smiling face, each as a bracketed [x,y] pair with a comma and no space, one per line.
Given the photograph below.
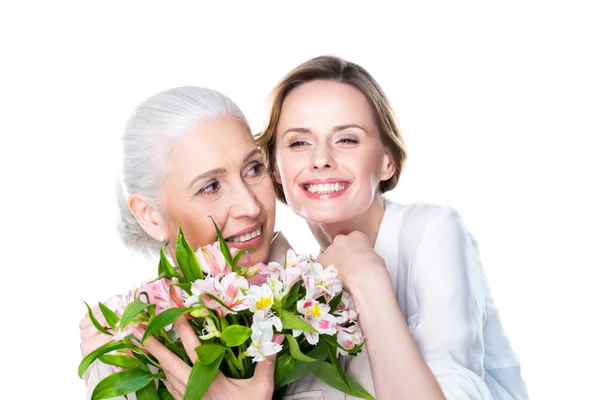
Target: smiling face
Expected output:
[329,157]
[216,170]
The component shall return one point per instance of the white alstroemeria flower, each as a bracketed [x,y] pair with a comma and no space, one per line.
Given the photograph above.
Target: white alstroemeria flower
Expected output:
[262,344]
[321,282]
[262,318]
[209,329]
[261,297]
[349,337]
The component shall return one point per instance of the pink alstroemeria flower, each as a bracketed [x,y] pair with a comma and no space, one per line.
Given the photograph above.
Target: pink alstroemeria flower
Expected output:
[228,290]
[162,294]
[317,315]
[212,261]
[257,274]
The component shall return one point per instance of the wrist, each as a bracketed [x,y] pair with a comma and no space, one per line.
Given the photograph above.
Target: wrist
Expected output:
[375,282]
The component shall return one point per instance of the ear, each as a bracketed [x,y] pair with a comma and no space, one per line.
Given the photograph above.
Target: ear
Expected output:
[148,217]
[388,166]
[276,173]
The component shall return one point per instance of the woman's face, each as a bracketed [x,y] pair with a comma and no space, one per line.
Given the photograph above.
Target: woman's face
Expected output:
[216,170]
[329,157]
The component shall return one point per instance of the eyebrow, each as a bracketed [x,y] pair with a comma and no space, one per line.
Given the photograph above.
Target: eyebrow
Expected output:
[336,128]
[219,171]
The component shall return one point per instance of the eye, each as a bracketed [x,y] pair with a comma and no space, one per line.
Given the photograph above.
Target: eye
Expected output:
[298,143]
[211,188]
[347,141]
[256,170]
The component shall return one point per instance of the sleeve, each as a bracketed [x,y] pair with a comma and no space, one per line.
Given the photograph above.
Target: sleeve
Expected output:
[449,327]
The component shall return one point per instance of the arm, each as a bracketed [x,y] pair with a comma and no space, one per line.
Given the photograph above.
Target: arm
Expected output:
[399,371]
[447,340]
[448,284]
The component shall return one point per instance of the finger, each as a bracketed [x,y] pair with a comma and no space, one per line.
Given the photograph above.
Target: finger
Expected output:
[176,384]
[188,336]
[86,320]
[92,343]
[89,332]
[174,392]
[265,369]
[323,259]
[168,360]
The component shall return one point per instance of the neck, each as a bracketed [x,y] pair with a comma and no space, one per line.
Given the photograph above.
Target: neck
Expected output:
[367,223]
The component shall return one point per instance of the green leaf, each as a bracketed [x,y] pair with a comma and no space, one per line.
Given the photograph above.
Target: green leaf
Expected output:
[122,383]
[90,358]
[166,266]
[224,247]
[148,392]
[131,311]
[302,368]
[293,295]
[283,366]
[295,350]
[235,335]
[327,373]
[164,394]
[209,352]
[291,321]
[336,365]
[335,302]
[238,256]
[109,315]
[95,321]
[166,317]
[200,379]
[187,260]
[119,360]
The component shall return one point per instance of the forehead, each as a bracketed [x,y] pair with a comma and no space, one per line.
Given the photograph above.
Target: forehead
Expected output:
[221,143]
[325,101]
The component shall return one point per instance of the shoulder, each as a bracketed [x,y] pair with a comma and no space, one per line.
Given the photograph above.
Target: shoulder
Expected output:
[417,218]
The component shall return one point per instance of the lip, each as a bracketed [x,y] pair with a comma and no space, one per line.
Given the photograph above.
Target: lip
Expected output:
[252,242]
[324,196]
[324,180]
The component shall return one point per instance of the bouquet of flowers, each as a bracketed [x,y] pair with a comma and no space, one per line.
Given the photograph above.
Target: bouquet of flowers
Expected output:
[242,314]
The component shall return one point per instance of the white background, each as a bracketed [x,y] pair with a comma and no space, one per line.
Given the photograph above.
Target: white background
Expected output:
[499,105]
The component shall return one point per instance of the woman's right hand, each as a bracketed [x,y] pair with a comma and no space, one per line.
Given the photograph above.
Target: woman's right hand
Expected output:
[91,338]
[177,372]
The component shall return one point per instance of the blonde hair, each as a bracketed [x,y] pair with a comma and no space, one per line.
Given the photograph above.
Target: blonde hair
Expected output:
[339,70]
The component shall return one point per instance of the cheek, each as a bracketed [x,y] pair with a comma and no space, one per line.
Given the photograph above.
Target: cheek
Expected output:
[290,164]
[197,226]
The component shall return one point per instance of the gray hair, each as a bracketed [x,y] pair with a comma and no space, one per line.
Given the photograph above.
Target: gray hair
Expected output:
[149,136]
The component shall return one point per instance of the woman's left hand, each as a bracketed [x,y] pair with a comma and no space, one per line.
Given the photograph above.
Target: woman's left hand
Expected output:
[356,261]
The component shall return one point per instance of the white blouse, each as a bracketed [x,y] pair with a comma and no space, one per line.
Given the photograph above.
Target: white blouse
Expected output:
[443,294]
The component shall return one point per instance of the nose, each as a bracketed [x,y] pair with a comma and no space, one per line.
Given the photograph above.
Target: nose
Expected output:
[322,158]
[246,204]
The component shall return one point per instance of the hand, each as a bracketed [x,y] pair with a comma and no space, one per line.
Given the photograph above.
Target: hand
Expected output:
[356,261]
[91,338]
[177,372]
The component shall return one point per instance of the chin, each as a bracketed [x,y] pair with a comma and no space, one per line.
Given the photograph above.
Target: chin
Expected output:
[259,255]
[325,216]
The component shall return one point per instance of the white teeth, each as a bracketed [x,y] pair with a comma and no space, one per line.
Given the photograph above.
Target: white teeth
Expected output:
[326,188]
[245,237]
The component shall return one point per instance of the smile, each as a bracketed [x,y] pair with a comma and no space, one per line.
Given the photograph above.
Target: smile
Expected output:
[246,236]
[325,189]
